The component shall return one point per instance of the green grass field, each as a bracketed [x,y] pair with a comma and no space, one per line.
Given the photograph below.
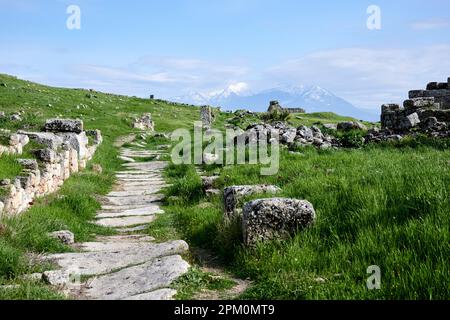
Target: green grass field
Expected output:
[380,205]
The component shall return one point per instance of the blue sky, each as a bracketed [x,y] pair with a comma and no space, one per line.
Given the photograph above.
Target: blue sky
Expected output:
[169,48]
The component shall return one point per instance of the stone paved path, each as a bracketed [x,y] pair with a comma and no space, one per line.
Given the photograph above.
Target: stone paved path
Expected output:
[130,266]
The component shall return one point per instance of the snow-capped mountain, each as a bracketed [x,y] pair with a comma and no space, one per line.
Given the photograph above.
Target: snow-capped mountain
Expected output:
[310,98]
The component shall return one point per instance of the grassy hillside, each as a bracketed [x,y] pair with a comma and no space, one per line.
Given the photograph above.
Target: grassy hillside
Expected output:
[385,205]
[75,204]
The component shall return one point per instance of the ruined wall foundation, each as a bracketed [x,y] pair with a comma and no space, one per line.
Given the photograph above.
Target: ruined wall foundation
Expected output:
[66,150]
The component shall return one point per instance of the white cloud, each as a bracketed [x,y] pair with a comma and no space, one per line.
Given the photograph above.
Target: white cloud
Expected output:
[367,77]
[430,24]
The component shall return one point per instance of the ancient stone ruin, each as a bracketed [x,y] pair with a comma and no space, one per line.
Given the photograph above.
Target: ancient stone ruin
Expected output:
[206,116]
[425,109]
[65,150]
[144,123]
[289,136]
[276,107]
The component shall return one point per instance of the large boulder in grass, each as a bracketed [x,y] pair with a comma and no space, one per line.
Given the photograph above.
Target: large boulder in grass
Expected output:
[277,218]
[64,125]
[350,125]
[233,194]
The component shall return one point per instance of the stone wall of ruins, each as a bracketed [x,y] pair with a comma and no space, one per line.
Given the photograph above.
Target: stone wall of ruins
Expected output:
[424,107]
[66,150]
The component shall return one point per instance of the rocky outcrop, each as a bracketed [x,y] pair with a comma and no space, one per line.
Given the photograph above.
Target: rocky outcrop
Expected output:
[233,194]
[277,218]
[144,123]
[63,154]
[293,137]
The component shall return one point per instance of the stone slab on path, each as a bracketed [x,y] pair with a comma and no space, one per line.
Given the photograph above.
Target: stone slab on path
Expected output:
[103,262]
[134,200]
[144,211]
[141,279]
[128,266]
[125,221]
[161,294]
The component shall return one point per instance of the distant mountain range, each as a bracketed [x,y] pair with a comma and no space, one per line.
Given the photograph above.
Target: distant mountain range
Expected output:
[310,98]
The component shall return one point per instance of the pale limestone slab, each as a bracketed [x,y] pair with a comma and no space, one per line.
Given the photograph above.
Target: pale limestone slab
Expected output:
[102,262]
[144,211]
[134,200]
[112,245]
[133,229]
[125,221]
[161,294]
[135,192]
[150,276]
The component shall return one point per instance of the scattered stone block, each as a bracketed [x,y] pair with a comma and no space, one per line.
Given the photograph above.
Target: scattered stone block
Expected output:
[64,125]
[64,236]
[144,123]
[206,116]
[330,126]
[409,121]
[233,194]
[208,182]
[277,218]
[350,125]
[56,278]
[28,164]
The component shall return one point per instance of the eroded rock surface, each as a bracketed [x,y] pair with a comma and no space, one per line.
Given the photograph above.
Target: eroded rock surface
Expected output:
[276,218]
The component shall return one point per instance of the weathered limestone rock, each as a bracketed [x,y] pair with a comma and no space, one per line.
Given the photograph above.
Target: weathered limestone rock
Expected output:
[28,164]
[409,121]
[15,117]
[49,139]
[144,123]
[161,294]
[56,278]
[138,280]
[208,182]
[276,218]
[101,262]
[330,126]
[64,125]
[289,136]
[206,116]
[127,221]
[64,236]
[210,158]
[233,194]
[416,103]
[350,125]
